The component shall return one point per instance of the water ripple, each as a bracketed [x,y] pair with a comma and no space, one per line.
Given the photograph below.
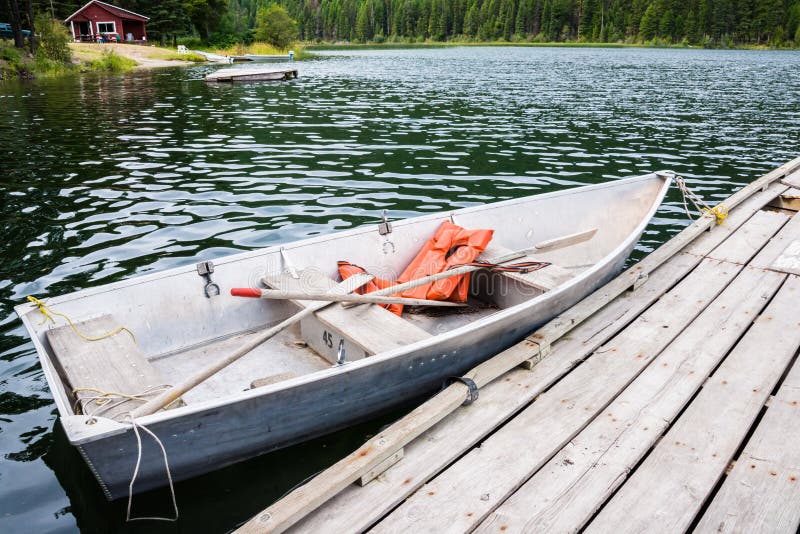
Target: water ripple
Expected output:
[107,177]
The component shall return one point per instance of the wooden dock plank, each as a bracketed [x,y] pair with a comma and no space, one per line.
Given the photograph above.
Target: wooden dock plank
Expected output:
[789,200]
[565,494]
[762,492]
[693,455]
[356,508]
[750,238]
[252,75]
[461,497]
[778,246]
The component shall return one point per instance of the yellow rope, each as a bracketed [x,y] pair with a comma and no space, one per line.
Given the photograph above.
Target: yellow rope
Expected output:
[719,212]
[48,316]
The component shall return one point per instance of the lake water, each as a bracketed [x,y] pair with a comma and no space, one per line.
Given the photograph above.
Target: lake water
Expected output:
[106,177]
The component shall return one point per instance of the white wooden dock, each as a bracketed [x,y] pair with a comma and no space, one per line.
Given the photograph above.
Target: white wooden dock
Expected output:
[248,74]
[675,407]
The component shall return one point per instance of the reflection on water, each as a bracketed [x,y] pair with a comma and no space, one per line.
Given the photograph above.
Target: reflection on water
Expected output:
[102,178]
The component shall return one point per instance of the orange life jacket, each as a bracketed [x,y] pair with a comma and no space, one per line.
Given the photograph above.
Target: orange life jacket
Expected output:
[450,246]
[347,269]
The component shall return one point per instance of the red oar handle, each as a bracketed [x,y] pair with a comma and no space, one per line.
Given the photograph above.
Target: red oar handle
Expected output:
[245,292]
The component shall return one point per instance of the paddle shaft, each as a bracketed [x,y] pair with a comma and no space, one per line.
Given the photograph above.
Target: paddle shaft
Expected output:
[370,298]
[170,395]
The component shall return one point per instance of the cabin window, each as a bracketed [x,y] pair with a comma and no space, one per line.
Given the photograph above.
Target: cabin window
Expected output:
[106,27]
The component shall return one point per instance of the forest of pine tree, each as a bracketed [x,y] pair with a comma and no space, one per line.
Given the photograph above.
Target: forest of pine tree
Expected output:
[694,22]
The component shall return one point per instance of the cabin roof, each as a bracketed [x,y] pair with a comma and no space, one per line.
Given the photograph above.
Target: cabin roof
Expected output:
[114,10]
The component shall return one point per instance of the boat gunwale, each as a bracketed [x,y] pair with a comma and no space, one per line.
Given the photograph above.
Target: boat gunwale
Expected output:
[111,427]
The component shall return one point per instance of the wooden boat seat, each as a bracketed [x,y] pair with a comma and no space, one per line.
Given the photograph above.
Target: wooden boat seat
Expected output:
[509,289]
[366,330]
[113,365]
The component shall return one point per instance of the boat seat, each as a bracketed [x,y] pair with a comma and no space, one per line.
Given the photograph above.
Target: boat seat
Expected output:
[113,365]
[509,289]
[364,330]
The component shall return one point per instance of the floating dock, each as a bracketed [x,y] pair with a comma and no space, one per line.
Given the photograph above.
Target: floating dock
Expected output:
[257,58]
[252,75]
[667,401]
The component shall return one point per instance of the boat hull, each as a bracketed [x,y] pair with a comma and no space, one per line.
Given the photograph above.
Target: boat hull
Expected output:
[210,438]
[208,434]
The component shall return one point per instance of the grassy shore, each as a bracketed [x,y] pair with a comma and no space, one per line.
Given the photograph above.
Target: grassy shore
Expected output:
[89,57]
[141,56]
[262,49]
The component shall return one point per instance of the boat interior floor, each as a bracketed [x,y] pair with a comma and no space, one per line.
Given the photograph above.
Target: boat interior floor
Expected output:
[284,356]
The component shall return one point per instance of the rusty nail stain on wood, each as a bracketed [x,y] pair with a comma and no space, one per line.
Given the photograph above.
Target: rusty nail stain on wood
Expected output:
[431,493]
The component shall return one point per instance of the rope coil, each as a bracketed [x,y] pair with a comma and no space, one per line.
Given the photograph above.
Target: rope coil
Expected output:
[720,211]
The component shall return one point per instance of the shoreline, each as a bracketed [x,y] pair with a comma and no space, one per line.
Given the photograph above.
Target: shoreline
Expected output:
[527,44]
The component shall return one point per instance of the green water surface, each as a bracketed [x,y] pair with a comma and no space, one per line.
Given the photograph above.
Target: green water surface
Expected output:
[107,177]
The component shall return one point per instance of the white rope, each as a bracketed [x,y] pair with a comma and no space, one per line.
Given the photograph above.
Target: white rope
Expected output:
[690,195]
[720,212]
[106,400]
[136,427]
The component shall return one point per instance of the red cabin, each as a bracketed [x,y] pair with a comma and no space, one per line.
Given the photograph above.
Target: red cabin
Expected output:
[101,22]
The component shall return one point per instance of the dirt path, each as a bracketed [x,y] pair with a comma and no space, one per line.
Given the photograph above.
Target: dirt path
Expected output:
[145,56]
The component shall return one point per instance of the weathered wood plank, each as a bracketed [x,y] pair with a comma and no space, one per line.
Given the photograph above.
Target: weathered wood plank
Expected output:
[372,328]
[251,75]
[693,455]
[790,200]
[355,509]
[762,491]
[565,241]
[114,364]
[750,238]
[461,497]
[300,502]
[792,179]
[772,252]
[565,494]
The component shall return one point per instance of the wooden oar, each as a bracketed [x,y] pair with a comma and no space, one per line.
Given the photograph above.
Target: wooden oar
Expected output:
[370,298]
[303,500]
[565,241]
[170,395]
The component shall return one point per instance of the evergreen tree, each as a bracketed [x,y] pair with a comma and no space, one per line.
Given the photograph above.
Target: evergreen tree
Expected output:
[274,26]
[648,27]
